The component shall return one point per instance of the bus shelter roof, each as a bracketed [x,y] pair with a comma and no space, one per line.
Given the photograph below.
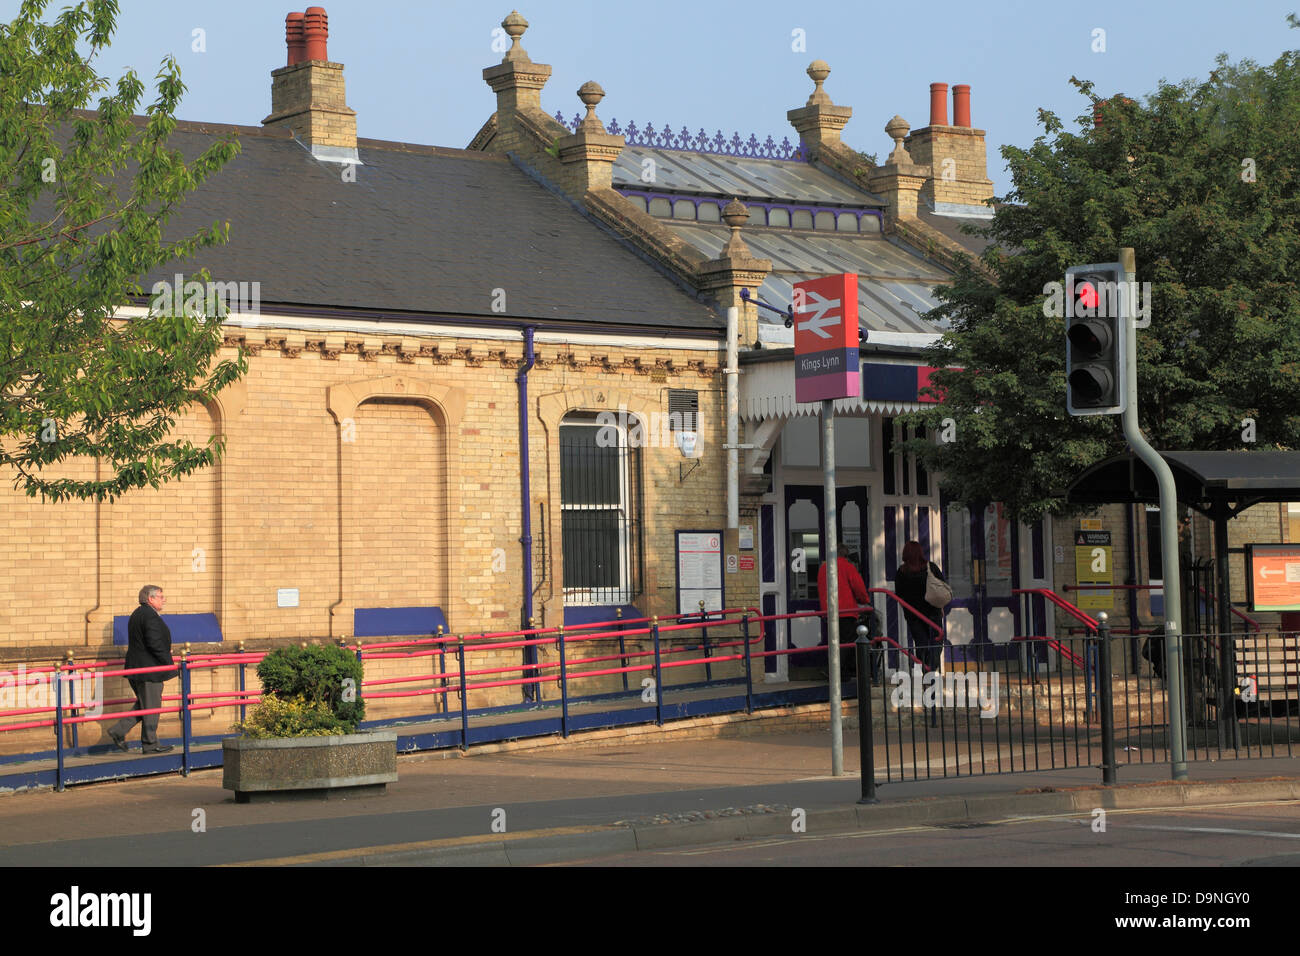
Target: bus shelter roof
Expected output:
[1205,480]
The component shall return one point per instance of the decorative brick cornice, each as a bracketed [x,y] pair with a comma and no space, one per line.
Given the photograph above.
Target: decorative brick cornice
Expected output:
[408,350]
[466,354]
[364,349]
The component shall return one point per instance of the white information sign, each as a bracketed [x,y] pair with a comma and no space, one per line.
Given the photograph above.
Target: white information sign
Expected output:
[699,571]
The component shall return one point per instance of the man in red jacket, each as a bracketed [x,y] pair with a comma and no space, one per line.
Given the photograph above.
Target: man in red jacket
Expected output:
[853,598]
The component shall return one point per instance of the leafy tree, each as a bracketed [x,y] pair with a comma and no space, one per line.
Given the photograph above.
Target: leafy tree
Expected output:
[84,199]
[1201,180]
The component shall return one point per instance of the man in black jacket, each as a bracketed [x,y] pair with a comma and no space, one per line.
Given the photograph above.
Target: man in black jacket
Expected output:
[149,644]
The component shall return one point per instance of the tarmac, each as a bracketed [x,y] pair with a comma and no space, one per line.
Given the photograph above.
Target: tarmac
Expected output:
[577,799]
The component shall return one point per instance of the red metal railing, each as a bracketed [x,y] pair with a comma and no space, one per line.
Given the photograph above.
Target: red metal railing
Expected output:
[1092,623]
[670,641]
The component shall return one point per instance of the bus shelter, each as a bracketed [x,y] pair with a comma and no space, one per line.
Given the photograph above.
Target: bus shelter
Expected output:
[1219,485]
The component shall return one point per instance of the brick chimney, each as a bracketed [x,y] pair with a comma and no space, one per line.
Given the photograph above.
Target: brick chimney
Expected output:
[307,94]
[956,155]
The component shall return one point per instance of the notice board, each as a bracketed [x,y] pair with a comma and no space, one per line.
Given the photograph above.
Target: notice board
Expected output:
[1093,564]
[1273,576]
[699,571]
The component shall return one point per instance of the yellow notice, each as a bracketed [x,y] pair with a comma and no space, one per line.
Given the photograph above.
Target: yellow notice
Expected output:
[1093,565]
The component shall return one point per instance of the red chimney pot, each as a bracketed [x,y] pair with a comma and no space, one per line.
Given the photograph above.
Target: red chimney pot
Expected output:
[315,30]
[294,39]
[938,104]
[961,105]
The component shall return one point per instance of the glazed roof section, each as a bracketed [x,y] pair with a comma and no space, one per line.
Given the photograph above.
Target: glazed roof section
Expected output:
[894,287]
[422,230]
[735,177]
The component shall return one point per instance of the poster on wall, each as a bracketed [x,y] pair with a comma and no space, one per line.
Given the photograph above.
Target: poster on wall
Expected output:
[1093,564]
[699,571]
[1273,573]
[997,543]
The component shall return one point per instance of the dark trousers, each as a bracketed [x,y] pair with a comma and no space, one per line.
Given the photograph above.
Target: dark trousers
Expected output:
[148,696]
[927,645]
[849,652]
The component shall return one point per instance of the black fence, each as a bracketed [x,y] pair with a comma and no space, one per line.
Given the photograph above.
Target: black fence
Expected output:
[1044,708]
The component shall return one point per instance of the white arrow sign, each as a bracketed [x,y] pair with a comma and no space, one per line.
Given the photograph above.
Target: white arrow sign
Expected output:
[819,321]
[1265,572]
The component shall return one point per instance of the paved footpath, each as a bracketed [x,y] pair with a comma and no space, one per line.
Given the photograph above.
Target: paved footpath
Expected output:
[567,802]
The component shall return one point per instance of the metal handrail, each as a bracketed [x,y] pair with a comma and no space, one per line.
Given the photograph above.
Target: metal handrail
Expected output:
[890,594]
[1071,609]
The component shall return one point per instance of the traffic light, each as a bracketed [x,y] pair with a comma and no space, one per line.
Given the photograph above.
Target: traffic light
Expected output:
[1097,340]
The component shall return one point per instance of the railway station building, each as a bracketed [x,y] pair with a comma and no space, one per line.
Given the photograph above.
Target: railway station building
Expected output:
[487,386]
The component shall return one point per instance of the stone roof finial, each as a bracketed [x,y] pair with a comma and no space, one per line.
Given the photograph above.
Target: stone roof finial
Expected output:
[591,93]
[818,70]
[515,25]
[897,130]
[735,215]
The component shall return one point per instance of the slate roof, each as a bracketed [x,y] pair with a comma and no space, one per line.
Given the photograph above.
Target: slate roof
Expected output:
[422,230]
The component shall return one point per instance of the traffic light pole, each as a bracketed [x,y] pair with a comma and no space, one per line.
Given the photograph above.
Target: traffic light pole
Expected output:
[1168,533]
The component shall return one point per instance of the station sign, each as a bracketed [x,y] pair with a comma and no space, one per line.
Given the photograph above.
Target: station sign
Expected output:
[1273,576]
[826,338]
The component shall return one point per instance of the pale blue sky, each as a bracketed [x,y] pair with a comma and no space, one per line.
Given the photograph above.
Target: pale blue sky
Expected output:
[414,68]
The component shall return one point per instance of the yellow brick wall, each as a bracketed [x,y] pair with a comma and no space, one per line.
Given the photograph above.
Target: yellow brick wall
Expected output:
[170,537]
[389,519]
[409,512]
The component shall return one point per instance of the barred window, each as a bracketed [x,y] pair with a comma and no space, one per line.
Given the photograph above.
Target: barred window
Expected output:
[600,493]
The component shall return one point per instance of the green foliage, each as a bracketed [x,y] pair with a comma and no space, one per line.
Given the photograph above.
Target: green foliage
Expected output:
[318,674]
[274,716]
[1169,178]
[84,203]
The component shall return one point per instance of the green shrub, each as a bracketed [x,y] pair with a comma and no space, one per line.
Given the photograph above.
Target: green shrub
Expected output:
[274,716]
[319,674]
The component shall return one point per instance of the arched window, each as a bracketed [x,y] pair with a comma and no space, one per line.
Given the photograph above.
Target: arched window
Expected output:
[600,493]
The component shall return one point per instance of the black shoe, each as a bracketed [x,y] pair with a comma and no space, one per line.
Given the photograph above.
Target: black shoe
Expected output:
[158,749]
[119,742]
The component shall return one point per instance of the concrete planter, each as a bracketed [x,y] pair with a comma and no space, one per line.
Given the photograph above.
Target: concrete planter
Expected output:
[321,767]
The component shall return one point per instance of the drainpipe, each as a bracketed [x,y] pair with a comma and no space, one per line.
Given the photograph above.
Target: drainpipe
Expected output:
[526,535]
[733,417]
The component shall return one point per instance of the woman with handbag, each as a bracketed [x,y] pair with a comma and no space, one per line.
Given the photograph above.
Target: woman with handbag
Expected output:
[922,585]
